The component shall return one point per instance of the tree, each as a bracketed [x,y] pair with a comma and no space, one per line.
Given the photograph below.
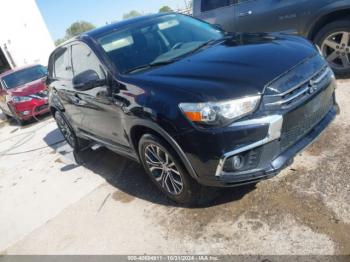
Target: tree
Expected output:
[59,41]
[78,28]
[189,6]
[165,9]
[131,14]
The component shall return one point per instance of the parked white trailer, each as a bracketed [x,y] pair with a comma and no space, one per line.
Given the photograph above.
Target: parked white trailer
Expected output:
[24,37]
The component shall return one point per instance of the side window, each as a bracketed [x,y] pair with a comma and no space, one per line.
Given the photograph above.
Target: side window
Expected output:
[208,5]
[83,58]
[62,65]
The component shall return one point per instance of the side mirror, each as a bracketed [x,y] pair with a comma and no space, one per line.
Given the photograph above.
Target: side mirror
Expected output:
[87,80]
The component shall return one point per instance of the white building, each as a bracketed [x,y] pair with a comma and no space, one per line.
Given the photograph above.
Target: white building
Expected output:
[24,37]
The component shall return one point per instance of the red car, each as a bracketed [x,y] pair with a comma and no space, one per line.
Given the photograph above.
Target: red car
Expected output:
[23,93]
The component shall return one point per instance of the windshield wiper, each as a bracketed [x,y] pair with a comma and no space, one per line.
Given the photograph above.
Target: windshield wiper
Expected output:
[166,62]
[208,43]
[150,65]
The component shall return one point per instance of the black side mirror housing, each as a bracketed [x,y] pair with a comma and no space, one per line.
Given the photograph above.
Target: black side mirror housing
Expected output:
[87,80]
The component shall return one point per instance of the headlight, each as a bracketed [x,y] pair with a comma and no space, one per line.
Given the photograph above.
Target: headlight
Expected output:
[220,113]
[19,99]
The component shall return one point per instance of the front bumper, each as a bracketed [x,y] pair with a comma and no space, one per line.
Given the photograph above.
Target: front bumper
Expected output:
[278,163]
[267,142]
[30,109]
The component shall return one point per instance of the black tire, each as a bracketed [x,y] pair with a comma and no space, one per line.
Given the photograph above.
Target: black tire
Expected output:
[68,132]
[19,121]
[190,191]
[330,32]
[6,116]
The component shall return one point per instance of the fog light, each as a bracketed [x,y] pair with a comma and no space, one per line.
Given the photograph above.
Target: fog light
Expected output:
[25,113]
[237,162]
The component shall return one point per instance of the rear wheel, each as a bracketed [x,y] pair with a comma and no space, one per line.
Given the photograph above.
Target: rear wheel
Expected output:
[68,133]
[166,170]
[334,41]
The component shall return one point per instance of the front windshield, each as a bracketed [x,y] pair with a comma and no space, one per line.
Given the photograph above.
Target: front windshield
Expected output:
[24,76]
[161,39]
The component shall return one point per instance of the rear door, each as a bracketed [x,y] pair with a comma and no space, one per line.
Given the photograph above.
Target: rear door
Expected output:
[268,15]
[220,12]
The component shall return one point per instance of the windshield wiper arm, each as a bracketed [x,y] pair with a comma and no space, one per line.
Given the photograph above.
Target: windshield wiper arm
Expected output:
[208,43]
[150,65]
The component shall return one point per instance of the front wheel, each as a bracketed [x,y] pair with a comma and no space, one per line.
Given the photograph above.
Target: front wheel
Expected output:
[19,121]
[334,41]
[5,116]
[166,170]
[68,132]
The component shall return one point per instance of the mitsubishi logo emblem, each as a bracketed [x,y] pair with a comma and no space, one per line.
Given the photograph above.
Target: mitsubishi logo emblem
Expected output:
[312,87]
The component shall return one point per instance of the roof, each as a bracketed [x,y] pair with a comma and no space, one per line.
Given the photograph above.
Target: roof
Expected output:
[96,33]
[17,69]
[118,25]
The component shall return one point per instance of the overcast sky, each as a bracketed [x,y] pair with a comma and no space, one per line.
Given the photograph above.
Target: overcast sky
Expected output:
[60,14]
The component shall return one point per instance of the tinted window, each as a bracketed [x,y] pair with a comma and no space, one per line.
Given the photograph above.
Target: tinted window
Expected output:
[24,76]
[159,40]
[62,65]
[208,5]
[84,59]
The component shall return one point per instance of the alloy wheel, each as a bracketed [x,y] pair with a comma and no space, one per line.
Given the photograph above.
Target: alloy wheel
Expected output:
[163,169]
[65,130]
[336,49]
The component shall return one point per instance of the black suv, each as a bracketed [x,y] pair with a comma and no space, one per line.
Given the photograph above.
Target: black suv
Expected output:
[325,22]
[191,102]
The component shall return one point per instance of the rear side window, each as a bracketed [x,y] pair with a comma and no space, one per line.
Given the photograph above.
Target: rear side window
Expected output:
[83,59]
[208,5]
[62,65]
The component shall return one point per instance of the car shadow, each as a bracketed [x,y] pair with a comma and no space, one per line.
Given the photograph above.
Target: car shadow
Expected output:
[129,176]
[343,77]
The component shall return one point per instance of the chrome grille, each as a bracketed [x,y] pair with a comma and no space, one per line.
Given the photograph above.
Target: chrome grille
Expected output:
[41,94]
[41,108]
[296,94]
[299,122]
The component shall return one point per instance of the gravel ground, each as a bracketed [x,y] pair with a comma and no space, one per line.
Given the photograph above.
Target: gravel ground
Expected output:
[106,205]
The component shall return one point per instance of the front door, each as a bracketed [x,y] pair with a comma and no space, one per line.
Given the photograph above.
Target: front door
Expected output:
[101,117]
[217,12]
[61,83]
[267,16]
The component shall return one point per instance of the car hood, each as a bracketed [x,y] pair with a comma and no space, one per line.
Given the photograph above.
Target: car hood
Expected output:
[240,66]
[29,88]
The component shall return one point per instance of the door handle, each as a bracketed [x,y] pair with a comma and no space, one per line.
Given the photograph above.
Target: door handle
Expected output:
[242,14]
[78,101]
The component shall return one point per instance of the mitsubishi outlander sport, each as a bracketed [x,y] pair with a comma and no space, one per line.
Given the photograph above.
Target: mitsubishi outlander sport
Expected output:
[193,104]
